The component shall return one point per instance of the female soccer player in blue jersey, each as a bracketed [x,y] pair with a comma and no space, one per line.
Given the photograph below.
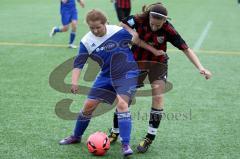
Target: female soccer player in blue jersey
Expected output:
[107,45]
[69,16]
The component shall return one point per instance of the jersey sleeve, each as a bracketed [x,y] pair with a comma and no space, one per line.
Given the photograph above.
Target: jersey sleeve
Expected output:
[126,35]
[175,38]
[130,21]
[82,57]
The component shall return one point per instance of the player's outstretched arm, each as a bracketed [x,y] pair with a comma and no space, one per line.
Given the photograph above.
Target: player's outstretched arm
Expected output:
[195,60]
[75,76]
[81,2]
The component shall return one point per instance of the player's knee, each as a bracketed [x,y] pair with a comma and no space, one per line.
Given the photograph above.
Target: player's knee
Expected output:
[74,26]
[89,106]
[89,103]
[158,99]
[122,106]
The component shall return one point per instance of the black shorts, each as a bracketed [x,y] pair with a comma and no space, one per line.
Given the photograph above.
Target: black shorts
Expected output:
[154,71]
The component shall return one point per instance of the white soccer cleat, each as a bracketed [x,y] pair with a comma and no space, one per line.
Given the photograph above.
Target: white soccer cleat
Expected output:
[52,33]
[72,46]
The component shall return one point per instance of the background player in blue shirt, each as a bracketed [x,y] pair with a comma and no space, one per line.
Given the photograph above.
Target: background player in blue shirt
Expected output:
[107,45]
[69,15]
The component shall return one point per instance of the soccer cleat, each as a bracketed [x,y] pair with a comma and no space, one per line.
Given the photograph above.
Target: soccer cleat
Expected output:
[70,140]
[113,136]
[144,145]
[52,33]
[126,150]
[72,46]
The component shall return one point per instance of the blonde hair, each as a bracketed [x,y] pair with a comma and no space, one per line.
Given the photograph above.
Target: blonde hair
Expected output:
[96,15]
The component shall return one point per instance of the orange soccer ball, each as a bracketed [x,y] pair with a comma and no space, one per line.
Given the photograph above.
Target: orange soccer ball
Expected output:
[98,143]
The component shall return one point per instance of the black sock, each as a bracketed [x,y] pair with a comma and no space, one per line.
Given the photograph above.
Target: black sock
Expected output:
[154,122]
[115,128]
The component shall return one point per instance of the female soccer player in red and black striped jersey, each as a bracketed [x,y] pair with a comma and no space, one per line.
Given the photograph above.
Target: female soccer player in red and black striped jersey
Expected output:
[123,8]
[153,30]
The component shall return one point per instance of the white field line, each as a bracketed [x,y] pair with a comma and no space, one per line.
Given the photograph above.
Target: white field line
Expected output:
[202,37]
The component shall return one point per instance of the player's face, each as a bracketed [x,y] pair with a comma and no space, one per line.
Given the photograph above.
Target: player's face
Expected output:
[156,24]
[97,28]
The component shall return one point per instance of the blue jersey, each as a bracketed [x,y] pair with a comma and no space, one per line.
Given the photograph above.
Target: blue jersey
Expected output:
[111,51]
[68,5]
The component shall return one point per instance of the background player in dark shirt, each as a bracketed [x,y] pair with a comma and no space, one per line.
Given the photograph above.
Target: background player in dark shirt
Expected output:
[123,8]
[153,27]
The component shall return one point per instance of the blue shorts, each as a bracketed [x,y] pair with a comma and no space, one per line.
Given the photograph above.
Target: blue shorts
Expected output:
[105,89]
[68,16]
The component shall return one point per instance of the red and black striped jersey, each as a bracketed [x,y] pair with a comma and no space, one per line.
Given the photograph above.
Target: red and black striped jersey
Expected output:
[123,3]
[156,39]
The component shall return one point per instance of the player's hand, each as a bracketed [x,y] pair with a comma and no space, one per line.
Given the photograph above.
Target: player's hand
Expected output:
[74,88]
[159,52]
[206,73]
[82,3]
[135,38]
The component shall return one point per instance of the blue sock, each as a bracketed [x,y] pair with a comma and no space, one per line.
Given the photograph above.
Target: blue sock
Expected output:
[72,37]
[125,126]
[81,124]
[56,30]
